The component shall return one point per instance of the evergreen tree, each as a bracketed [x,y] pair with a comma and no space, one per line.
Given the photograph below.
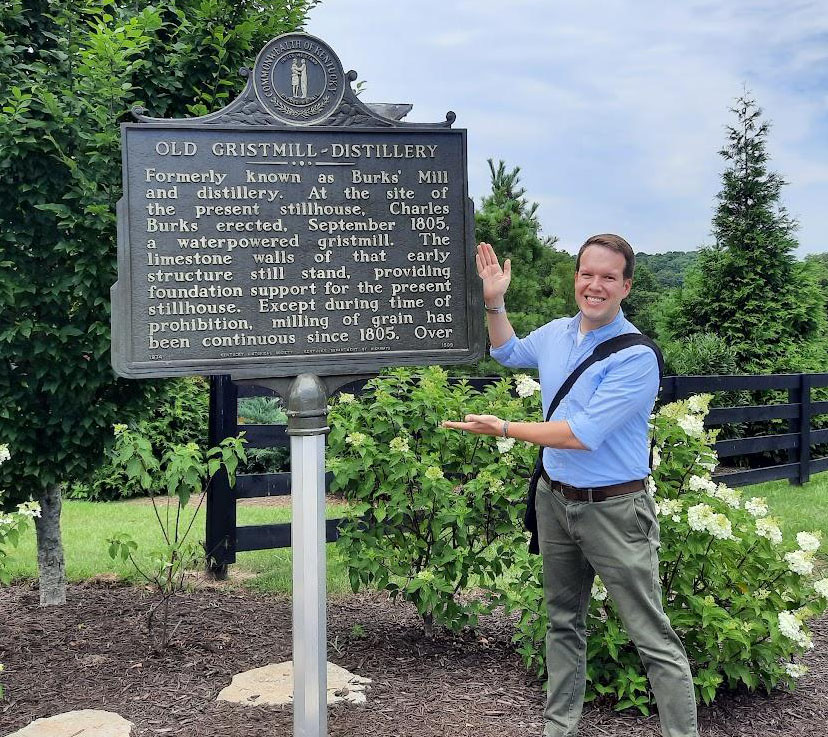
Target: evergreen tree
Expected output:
[747,288]
[69,74]
[541,286]
[642,303]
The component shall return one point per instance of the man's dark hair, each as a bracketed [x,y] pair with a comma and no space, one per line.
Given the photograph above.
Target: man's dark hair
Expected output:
[614,243]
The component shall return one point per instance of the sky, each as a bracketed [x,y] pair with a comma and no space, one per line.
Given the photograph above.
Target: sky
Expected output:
[614,110]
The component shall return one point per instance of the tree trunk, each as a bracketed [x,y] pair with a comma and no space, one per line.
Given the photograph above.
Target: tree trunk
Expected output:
[50,549]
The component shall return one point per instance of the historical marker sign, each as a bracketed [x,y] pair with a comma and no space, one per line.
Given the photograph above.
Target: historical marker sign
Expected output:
[297,230]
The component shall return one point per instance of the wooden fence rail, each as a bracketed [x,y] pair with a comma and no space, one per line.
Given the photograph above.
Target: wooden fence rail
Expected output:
[225,538]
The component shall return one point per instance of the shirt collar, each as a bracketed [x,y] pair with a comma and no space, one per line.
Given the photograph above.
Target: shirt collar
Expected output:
[609,330]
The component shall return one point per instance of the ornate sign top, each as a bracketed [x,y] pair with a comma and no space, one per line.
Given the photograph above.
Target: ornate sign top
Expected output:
[299,79]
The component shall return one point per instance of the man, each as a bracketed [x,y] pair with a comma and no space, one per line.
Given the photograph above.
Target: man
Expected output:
[593,512]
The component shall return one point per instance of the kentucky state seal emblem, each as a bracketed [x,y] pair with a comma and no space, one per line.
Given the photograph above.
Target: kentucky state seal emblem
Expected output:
[299,79]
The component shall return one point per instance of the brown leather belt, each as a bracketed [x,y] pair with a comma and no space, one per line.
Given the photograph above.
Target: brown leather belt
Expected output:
[596,494]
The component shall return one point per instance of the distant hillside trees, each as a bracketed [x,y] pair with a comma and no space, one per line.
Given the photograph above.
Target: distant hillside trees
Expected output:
[668,268]
[747,288]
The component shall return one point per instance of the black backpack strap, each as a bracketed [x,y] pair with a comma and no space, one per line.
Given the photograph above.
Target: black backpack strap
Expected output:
[599,353]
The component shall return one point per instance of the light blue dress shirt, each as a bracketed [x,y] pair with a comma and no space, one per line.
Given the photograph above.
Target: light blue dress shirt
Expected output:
[608,409]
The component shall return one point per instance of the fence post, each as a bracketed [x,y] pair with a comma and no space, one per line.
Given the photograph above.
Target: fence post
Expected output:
[668,390]
[220,543]
[805,428]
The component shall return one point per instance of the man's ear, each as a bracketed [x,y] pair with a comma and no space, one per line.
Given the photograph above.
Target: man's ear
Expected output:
[628,286]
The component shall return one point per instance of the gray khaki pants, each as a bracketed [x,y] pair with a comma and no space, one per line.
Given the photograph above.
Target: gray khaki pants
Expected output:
[619,539]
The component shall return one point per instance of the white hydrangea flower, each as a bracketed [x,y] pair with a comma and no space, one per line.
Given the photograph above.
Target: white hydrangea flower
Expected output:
[6,520]
[693,425]
[795,670]
[791,627]
[800,562]
[700,483]
[762,594]
[29,509]
[508,460]
[119,428]
[433,473]
[757,506]
[729,496]
[719,526]
[699,403]
[400,445]
[4,453]
[698,516]
[702,518]
[671,507]
[709,460]
[504,445]
[650,486]
[356,439]
[599,591]
[766,527]
[656,458]
[495,485]
[345,398]
[808,541]
[821,587]
[525,385]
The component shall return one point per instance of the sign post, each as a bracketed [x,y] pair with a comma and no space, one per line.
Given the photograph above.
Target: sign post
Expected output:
[296,238]
[307,425]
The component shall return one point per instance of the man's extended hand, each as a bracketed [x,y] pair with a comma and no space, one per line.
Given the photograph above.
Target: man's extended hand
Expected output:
[478,424]
[495,280]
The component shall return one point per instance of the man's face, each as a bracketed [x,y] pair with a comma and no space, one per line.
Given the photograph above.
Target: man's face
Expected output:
[600,286]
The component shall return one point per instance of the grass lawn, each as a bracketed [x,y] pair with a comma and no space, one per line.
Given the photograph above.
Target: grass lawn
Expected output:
[796,507]
[86,527]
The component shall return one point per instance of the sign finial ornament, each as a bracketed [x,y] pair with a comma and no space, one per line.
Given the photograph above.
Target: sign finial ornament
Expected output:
[299,79]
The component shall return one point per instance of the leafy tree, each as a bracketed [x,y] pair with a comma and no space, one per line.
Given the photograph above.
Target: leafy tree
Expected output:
[541,287]
[69,74]
[747,288]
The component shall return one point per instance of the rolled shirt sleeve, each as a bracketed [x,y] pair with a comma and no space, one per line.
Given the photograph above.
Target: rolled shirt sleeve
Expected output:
[628,388]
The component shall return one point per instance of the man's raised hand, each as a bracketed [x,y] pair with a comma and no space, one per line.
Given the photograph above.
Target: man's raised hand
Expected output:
[495,280]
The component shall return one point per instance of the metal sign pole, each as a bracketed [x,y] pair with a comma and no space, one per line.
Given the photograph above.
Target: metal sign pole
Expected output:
[307,426]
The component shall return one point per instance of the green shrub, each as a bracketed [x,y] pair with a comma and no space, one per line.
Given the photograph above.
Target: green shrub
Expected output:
[700,354]
[737,595]
[264,411]
[261,411]
[180,417]
[171,477]
[442,508]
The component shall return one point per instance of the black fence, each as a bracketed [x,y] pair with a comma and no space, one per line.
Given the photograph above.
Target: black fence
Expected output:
[224,538]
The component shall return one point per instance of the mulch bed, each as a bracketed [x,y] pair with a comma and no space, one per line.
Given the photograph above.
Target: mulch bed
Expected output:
[94,653]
